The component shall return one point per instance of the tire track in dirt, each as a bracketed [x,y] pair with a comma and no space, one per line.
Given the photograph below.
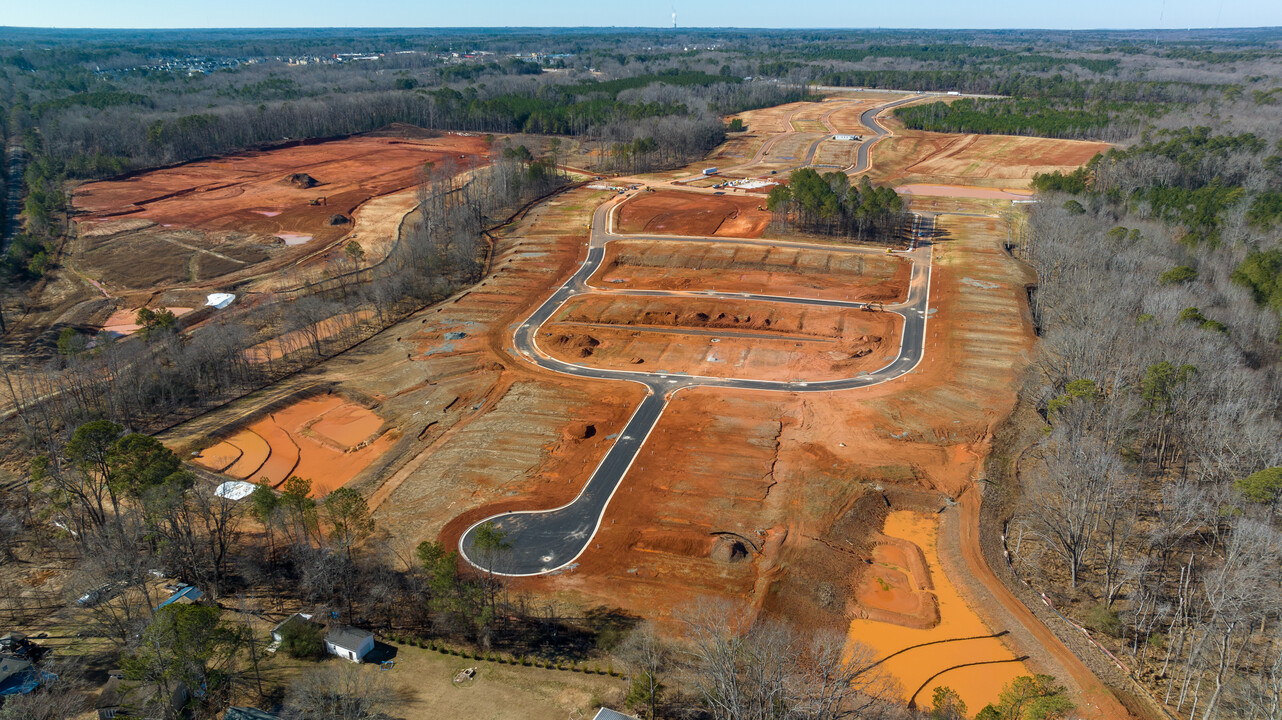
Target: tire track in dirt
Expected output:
[1091,690]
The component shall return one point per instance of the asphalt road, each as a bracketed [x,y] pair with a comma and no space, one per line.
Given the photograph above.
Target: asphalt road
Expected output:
[545,541]
[869,120]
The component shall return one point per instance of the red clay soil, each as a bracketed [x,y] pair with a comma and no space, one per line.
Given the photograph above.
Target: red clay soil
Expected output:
[754,316]
[730,268]
[252,192]
[671,212]
[896,586]
[249,215]
[765,356]
[325,439]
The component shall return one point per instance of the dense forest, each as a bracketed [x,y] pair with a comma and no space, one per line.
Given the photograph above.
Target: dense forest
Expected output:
[1148,508]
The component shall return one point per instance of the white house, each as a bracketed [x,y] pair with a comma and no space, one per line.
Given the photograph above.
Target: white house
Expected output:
[349,642]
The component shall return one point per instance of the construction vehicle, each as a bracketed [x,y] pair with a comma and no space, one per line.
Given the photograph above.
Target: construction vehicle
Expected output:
[319,201]
[874,306]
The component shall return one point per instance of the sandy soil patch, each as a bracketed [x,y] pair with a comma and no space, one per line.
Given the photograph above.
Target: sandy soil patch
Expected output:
[964,191]
[124,322]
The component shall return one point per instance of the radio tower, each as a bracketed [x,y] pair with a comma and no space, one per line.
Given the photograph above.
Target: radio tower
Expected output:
[674,18]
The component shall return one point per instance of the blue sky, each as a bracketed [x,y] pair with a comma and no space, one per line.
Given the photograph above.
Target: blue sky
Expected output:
[1073,14]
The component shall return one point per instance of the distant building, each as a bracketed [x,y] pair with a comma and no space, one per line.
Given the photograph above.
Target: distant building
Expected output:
[349,642]
[847,138]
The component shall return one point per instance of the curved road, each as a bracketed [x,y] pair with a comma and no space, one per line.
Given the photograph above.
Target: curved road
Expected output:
[544,541]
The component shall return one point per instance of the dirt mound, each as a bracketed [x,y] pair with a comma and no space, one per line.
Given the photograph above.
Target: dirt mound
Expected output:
[302,180]
[580,431]
[338,220]
[855,349]
[730,549]
[582,345]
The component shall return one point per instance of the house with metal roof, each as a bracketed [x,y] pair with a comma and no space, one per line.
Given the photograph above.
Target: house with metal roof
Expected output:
[187,594]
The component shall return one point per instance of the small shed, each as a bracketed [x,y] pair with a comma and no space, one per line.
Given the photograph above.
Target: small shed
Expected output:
[348,642]
[296,618]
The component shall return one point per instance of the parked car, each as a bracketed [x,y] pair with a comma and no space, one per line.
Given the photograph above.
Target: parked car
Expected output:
[97,595]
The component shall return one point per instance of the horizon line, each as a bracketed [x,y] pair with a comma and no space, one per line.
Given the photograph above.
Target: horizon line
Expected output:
[664,28]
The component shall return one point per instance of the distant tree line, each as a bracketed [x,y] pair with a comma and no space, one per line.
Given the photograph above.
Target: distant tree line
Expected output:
[1040,117]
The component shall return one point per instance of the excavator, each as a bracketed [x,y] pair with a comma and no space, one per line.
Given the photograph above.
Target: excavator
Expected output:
[874,306]
[319,201]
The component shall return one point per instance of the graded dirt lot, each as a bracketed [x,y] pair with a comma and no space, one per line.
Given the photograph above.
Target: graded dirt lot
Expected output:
[668,212]
[231,217]
[994,161]
[730,267]
[446,383]
[324,438]
[720,338]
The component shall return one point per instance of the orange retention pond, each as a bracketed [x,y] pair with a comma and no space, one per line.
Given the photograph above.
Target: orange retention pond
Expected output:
[325,438]
[950,660]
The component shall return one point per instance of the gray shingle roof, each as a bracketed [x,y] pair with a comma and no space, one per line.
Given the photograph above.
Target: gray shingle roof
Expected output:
[347,637]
